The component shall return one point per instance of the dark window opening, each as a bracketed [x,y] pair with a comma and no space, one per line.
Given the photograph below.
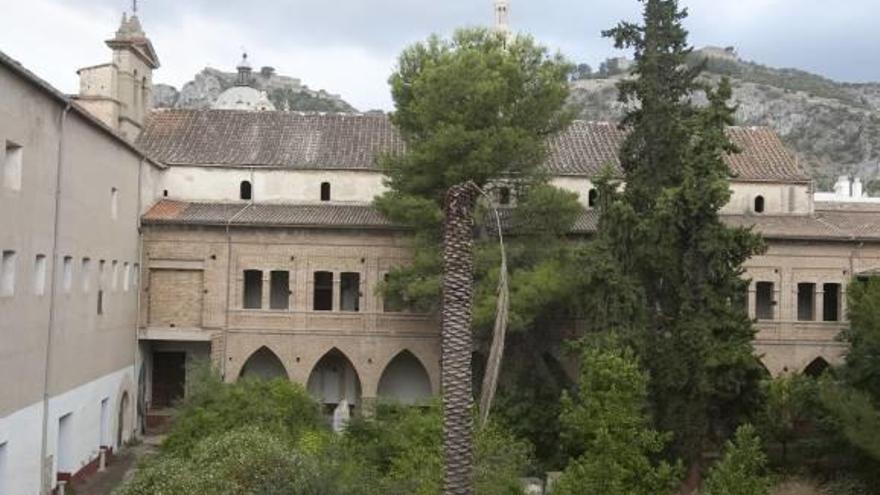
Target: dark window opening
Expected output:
[253,289]
[816,368]
[246,191]
[165,193]
[100,302]
[504,196]
[323,294]
[592,198]
[279,296]
[831,304]
[806,301]
[759,204]
[325,191]
[350,292]
[764,300]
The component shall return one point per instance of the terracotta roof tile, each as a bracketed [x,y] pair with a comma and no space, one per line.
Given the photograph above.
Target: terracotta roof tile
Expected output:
[313,141]
[823,225]
[327,215]
[271,139]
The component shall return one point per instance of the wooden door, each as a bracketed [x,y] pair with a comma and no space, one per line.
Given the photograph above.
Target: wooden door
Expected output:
[169,378]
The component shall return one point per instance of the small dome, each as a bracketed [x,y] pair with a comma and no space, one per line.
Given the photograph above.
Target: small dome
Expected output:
[243,98]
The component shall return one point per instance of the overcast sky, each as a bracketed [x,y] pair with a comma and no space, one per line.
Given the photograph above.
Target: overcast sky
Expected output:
[349,46]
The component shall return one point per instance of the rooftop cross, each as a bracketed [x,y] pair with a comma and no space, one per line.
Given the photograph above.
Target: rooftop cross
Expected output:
[134,7]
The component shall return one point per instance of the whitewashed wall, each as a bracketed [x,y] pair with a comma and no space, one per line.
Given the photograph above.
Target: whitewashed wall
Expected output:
[222,184]
[21,430]
[778,198]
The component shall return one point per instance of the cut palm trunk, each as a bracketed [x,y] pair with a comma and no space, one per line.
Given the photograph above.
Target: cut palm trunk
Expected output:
[456,345]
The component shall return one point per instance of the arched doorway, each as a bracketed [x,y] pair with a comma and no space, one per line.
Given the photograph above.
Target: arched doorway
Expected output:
[816,367]
[263,364]
[120,420]
[405,380]
[336,385]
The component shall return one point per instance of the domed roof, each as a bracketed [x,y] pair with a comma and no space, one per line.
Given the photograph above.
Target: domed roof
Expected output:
[243,98]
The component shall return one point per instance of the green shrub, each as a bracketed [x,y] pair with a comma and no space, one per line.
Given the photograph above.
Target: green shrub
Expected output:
[607,427]
[405,444]
[742,470]
[211,406]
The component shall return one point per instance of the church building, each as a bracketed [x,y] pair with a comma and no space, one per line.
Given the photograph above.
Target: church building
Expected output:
[137,242]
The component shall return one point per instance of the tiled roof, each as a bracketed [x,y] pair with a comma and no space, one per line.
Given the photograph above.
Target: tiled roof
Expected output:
[352,142]
[310,141]
[823,225]
[325,215]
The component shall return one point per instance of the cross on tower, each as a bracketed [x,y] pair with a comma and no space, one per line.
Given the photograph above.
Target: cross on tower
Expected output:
[134,7]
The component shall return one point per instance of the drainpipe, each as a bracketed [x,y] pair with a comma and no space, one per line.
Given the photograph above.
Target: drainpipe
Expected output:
[139,405]
[229,276]
[45,471]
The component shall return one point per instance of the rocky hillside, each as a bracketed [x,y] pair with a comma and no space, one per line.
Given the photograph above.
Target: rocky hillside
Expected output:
[286,93]
[833,127]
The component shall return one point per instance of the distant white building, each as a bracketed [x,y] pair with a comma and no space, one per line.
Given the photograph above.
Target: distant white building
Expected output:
[846,191]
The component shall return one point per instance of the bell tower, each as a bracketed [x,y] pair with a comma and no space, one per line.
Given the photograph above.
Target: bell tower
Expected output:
[502,16]
[120,93]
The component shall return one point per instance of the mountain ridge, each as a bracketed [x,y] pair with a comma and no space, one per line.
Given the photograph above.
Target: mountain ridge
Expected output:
[833,127]
[286,93]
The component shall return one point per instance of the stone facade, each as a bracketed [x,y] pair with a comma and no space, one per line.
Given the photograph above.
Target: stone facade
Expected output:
[207,266]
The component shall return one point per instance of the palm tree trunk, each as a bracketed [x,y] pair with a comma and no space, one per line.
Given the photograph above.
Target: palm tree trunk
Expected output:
[456,346]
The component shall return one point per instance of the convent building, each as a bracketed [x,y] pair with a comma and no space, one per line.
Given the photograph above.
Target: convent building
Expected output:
[136,242]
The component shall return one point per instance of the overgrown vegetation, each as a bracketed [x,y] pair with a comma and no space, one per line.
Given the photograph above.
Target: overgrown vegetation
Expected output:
[256,443]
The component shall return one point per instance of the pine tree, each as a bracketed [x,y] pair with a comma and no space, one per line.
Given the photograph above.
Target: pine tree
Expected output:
[474,109]
[667,236]
[742,470]
[608,426]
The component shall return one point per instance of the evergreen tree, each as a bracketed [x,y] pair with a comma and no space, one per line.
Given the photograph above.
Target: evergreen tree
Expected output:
[862,368]
[472,110]
[742,470]
[666,234]
[606,424]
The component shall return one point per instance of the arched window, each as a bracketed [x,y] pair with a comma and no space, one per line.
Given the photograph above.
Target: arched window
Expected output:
[325,191]
[246,191]
[592,197]
[759,204]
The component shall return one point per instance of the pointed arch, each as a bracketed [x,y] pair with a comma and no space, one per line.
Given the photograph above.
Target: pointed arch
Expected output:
[263,364]
[334,379]
[816,367]
[405,380]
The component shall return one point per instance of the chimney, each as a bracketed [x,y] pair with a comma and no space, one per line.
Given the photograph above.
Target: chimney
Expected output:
[841,188]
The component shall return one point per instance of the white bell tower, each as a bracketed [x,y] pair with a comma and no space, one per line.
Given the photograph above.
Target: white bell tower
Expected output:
[502,16]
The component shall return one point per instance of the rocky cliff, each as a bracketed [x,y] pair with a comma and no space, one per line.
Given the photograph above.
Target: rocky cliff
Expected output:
[286,93]
[833,127]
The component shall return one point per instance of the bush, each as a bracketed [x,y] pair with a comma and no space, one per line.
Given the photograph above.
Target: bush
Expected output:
[607,427]
[279,406]
[406,445]
[742,470]
[243,461]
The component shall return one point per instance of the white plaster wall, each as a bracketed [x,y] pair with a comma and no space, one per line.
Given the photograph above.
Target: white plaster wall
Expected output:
[222,184]
[21,430]
[579,185]
[778,198]
[97,81]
